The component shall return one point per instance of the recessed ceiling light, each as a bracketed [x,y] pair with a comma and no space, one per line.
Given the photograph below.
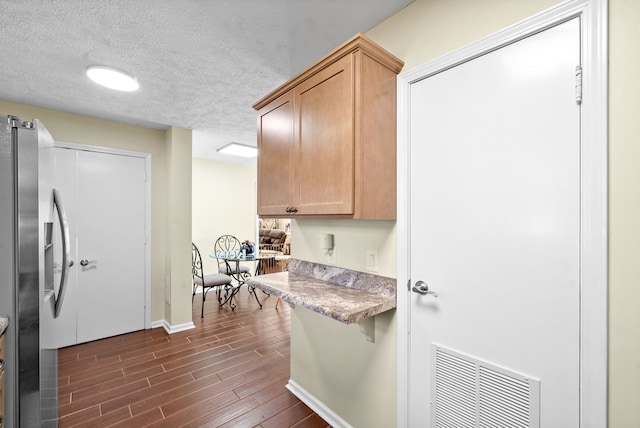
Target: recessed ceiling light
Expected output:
[238,149]
[112,78]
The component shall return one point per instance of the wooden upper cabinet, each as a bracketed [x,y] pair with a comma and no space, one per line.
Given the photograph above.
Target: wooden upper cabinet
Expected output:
[327,138]
[276,153]
[324,117]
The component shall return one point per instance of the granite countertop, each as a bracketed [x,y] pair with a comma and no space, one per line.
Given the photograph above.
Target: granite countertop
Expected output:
[344,295]
[4,323]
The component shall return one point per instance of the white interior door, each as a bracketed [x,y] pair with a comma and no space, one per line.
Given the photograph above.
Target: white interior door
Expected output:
[495,232]
[111,245]
[104,196]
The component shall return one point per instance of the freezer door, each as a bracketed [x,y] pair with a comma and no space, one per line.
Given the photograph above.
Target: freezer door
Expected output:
[7,265]
[22,217]
[25,142]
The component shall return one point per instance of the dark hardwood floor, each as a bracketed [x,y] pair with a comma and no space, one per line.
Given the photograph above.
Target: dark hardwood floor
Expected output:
[230,371]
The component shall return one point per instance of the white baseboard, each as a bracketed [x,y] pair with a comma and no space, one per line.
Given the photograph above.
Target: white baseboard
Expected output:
[173,328]
[317,406]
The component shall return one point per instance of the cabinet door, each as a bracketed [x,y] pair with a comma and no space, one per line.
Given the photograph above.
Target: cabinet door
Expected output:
[324,182]
[276,162]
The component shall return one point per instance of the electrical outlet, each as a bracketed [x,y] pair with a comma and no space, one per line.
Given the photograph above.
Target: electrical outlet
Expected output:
[372,260]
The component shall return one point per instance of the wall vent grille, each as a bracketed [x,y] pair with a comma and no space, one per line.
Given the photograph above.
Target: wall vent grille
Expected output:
[467,392]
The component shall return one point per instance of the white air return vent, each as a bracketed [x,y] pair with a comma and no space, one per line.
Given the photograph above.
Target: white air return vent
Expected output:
[467,392]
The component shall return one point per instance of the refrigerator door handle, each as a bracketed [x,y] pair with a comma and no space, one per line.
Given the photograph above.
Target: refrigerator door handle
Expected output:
[66,245]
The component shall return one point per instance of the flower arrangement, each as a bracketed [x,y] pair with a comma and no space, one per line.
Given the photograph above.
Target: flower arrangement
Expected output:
[248,247]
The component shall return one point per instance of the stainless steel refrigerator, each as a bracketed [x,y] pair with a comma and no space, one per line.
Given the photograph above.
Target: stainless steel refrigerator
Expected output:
[34,264]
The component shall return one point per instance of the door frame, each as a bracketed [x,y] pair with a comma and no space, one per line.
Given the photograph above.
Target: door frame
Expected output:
[147,208]
[593,182]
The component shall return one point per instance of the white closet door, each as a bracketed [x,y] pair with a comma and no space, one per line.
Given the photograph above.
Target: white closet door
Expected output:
[104,195]
[111,245]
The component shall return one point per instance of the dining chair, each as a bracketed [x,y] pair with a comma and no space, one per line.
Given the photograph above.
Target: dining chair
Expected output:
[228,244]
[218,281]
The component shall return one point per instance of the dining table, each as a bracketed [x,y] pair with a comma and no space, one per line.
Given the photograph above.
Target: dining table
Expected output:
[232,260]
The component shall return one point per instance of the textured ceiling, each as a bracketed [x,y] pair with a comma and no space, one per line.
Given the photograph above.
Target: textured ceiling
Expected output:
[201,64]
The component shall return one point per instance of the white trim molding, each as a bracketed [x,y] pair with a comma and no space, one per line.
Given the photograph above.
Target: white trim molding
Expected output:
[171,329]
[593,15]
[317,406]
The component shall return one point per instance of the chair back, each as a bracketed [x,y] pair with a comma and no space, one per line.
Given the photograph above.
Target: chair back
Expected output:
[226,244]
[196,265]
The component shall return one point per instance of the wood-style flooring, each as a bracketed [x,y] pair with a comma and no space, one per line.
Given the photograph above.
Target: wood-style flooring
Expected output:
[230,371]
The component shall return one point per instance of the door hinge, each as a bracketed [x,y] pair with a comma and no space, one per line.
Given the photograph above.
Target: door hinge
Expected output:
[578,84]
[409,284]
[15,122]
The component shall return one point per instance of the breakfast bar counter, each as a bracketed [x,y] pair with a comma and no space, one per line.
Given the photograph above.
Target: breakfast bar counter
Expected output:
[344,295]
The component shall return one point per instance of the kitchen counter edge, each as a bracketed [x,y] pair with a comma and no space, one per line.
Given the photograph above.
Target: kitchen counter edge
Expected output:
[342,294]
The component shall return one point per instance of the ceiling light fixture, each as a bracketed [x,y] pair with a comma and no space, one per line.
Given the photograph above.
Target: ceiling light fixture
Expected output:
[112,78]
[237,149]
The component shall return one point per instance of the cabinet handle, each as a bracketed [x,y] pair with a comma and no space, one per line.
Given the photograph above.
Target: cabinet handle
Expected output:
[293,210]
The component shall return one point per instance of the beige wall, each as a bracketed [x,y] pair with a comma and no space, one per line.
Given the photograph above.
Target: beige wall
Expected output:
[334,362]
[355,378]
[352,239]
[427,29]
[624,214]
[96,132]
[178,283]
[224,202]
